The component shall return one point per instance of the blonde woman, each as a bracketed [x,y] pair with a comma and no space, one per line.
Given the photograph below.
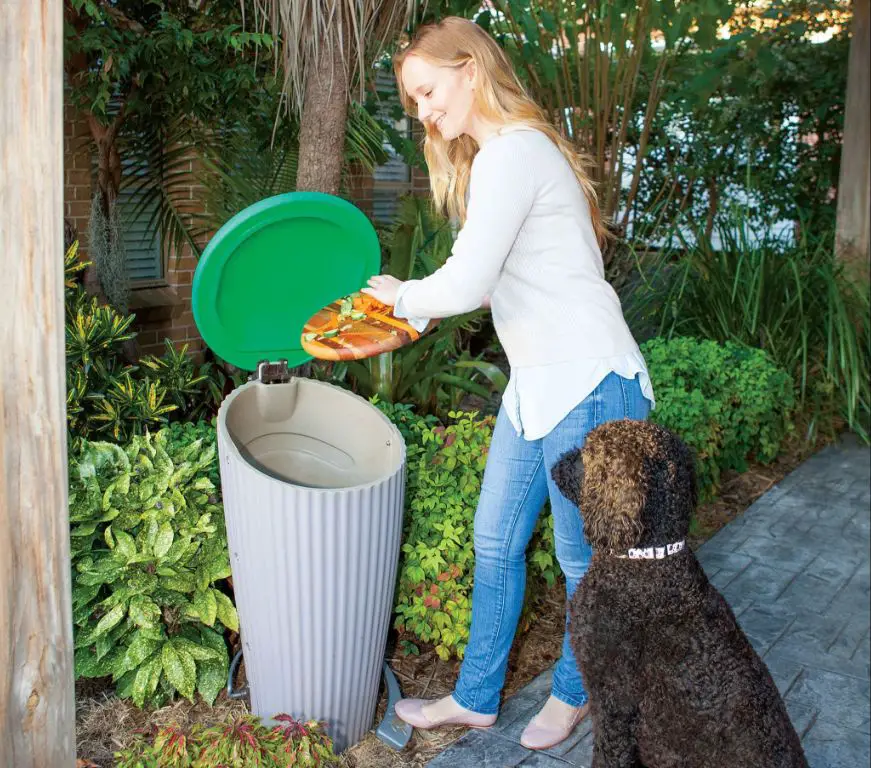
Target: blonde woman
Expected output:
[529,248]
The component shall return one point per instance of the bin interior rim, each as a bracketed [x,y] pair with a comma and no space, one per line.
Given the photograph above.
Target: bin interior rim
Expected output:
[232,445]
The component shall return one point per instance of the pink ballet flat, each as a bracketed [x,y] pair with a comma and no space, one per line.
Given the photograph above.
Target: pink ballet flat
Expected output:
[411,712]
[538,737]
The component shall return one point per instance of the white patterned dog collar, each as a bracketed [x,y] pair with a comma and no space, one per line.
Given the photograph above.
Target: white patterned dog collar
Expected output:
[654,553]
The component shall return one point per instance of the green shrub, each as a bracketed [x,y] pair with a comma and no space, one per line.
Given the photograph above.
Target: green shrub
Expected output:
[181,434]
[795,301]
[436,569]
[411,426]
[435,373]
[729,402]
[243,742]
[149,551]
[110,398]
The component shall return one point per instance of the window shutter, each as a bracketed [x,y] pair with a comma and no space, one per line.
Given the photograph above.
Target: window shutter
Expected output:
[142,243]
[392,179]
[144,258]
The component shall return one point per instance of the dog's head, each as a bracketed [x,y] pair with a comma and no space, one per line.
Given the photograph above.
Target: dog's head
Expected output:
[634,482]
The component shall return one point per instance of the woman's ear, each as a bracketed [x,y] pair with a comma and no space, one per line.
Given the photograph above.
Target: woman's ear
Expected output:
[471,72]
[568,474]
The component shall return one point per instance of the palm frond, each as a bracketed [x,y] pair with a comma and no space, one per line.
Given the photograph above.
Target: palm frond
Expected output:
[361,28]
[364,138]
[241,168]
[158,174]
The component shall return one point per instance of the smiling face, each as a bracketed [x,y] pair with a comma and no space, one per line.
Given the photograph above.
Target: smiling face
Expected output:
[445,96]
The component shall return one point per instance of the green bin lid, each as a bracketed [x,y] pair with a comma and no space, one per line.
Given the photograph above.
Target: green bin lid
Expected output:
[272,266]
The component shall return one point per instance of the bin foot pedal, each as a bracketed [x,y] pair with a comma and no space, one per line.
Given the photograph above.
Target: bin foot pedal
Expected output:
[391,730]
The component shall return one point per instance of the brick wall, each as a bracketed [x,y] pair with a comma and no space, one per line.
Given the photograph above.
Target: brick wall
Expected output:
[78,183]
[165,312]
[419,182]
[162,311]
[77,172]
[175,320]
[360,186]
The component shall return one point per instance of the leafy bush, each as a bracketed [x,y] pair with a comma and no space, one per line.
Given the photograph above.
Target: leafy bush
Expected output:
[195,390]
[411,426]
[435,373]
[728,402]
[243,742]
[102,395]
[148,552]
[436,569]
[418,241]
[445,470]
[181,434]
[732,123]
[794,301]
[109,397]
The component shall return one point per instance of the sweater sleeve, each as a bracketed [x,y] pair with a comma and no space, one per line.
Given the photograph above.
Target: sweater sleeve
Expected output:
[501,192]
[418,323]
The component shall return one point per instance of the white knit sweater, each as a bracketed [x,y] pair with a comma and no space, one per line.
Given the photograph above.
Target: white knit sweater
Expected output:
[528,243]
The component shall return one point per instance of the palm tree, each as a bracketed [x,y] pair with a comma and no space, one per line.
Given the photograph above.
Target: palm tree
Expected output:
[327,46]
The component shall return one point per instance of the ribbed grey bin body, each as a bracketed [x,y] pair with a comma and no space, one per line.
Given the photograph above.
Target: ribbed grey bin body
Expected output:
[313,481]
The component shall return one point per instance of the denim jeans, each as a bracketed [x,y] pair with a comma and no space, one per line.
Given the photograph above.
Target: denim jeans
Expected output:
[516,482]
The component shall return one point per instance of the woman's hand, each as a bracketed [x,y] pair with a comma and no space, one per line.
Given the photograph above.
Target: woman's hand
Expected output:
[383,288]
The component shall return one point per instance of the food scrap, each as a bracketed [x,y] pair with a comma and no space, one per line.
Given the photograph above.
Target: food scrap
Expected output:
[356,306]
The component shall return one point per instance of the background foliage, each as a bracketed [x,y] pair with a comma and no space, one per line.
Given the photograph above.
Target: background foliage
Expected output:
[149,553]
[112,398]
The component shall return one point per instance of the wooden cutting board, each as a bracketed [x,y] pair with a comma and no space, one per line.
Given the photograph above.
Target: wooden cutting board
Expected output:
[356,327]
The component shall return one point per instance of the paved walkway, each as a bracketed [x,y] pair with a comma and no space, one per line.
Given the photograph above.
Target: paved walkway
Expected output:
[795,569]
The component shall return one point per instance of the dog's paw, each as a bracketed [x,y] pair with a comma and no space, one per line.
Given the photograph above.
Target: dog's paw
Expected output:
[568,474]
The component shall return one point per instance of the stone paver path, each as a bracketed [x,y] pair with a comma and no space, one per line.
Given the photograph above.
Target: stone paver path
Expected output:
[795,569]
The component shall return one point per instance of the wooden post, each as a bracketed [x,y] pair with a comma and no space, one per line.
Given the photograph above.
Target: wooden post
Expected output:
[854,188]
[37,708]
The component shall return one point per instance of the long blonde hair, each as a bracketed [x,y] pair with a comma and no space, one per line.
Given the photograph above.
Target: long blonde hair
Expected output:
[500,98]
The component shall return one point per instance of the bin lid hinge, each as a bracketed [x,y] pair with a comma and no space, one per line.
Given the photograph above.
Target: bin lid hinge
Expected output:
[273,373]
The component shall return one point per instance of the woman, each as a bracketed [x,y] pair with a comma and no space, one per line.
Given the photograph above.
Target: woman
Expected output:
[529,248]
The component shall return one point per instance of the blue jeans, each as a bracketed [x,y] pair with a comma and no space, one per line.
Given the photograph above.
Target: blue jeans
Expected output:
[516,482]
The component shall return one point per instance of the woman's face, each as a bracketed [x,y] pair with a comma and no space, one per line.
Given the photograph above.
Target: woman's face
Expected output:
[445,96]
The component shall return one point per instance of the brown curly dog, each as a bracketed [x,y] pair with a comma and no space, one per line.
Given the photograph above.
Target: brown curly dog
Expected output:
[673,680]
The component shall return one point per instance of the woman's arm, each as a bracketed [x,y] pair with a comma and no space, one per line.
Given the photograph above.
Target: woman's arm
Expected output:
[500,197]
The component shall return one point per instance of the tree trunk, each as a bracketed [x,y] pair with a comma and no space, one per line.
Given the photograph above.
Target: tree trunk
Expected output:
[108,159]
[854,188]
[37,716]
[322,127]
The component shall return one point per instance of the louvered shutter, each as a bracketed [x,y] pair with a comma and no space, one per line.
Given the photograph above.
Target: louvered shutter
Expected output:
[142,243]
[391,179]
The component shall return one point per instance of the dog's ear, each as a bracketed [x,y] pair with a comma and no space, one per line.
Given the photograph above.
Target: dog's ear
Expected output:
[682,476]
[568,474]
